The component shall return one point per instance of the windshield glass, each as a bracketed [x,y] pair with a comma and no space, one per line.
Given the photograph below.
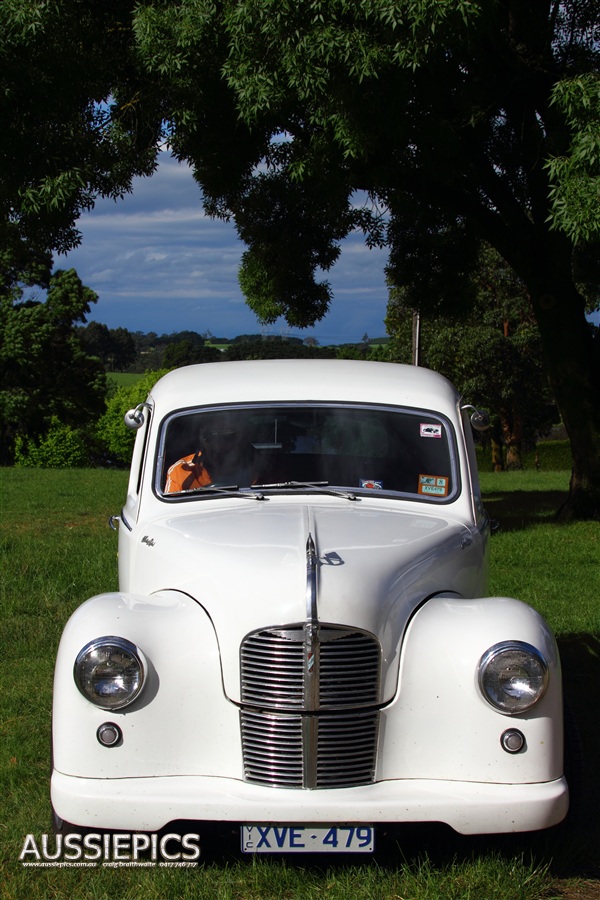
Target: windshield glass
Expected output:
[279,446]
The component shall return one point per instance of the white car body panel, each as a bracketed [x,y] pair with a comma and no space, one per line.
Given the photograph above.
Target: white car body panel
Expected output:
[199,574]
[469,808]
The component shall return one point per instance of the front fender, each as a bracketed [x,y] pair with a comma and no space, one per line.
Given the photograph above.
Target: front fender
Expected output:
[439,726]
[181,724]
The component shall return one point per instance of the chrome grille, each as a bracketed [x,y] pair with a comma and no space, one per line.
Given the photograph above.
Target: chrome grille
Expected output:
[272,749]
[306,693]
[272,667]
[348,669]
[273,671]
[347,745]
[275,749]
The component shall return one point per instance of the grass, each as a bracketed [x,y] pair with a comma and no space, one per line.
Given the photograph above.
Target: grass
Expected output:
[553,567]
[57,550]
[547,456]
[124,379]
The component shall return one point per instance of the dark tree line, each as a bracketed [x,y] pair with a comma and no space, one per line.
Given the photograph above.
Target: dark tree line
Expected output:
[114,347]
[120,350]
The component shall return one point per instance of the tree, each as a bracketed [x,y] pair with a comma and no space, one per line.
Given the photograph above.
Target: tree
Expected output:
[575,176]
[452,115]
[493,354]
[44,371]
[273,347]
[186,353]
[461,120]
[95,338]
[115,347]
[123,349]
[77,123]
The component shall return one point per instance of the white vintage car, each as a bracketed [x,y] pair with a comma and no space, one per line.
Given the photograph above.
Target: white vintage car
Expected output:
[302,645]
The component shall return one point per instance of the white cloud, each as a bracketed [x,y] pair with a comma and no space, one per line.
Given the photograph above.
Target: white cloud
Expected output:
[158,263]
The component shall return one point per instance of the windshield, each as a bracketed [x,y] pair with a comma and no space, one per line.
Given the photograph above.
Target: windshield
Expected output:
[281,447]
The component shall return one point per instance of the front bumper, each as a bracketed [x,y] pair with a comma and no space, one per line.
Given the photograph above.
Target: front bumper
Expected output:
[148,804]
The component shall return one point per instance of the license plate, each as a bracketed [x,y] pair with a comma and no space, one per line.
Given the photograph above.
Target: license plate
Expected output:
[307,839]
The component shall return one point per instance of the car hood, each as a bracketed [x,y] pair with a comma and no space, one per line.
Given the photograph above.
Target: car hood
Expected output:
[247,566]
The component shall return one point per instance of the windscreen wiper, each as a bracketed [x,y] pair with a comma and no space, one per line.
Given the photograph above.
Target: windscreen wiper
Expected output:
[319,487]
[229,490]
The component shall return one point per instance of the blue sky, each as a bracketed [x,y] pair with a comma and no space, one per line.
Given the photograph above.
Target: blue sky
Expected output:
[159,264]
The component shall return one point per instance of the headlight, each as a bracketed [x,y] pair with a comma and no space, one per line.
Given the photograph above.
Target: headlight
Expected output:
[110,672]
[513,676]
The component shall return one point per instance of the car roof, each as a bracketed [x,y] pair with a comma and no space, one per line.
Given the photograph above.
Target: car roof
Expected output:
[304,380]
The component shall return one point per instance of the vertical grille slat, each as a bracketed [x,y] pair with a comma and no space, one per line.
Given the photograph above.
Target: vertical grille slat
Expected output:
[299,737]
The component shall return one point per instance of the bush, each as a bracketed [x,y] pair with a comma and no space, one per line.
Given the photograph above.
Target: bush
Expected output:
[62,447]
[115,437]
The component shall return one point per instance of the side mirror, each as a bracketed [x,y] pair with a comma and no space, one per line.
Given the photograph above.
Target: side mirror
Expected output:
[480,420]
[134,418]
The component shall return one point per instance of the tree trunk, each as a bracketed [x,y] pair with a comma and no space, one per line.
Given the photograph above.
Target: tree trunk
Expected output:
[512,432]
[497,457]
[574,378]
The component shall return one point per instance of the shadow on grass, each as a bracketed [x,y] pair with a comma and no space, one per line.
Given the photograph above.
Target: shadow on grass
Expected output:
[580,658]
[517,510]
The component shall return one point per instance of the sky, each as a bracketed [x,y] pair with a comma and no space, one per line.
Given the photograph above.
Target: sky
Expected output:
[158,263]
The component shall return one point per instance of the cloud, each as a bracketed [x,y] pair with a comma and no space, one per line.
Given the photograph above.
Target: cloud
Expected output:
[158,263]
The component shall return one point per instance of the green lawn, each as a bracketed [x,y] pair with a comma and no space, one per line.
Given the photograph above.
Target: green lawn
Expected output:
[547,456]
[124,379]
[57,550]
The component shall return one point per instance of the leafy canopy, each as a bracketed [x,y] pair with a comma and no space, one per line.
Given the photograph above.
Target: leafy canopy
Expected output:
[458,121]
[44,371]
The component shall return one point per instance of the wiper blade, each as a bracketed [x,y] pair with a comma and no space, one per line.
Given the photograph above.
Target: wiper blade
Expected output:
[229,490]
[320,487]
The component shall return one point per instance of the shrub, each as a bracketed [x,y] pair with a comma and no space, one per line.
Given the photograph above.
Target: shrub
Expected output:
[62,447]
[116,439]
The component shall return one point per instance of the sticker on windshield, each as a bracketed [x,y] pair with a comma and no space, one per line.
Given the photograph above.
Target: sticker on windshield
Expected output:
[433,485]
[371,485]
[430,431]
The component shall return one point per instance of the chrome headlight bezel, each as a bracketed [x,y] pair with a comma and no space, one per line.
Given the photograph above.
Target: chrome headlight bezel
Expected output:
[122,662]
[513,677]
